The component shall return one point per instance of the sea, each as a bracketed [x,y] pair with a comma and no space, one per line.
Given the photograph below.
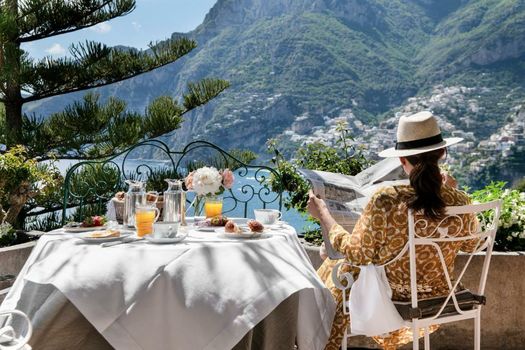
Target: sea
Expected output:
[292,216]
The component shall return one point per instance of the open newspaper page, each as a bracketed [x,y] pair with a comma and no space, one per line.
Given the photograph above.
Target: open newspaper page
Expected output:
[346,196]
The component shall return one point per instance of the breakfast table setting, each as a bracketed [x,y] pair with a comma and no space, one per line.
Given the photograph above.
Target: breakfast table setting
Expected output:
[173,282]
[205,291]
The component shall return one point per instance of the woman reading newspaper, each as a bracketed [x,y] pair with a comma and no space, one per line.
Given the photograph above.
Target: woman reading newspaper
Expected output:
[382,230]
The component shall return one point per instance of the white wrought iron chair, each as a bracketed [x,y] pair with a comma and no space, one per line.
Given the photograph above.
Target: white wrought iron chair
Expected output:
[10,338]
[457,305]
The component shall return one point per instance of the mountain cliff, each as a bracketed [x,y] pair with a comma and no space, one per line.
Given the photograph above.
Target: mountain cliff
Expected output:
[294,65]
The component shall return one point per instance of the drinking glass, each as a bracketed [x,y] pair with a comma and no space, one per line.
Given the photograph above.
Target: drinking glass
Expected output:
[145,216]
[213,206]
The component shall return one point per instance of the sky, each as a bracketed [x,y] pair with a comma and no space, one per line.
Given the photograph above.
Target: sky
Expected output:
[152,20]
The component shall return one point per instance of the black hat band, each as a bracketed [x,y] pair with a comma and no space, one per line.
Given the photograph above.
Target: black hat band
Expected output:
[429,141]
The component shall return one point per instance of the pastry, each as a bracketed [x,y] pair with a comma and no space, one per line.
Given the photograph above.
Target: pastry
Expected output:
[255,226]
[231,227]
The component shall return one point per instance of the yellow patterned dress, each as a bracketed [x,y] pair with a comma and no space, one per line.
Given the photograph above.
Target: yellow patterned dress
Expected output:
[378,237]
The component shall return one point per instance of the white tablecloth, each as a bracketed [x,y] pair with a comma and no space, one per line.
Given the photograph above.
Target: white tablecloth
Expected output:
[205,292]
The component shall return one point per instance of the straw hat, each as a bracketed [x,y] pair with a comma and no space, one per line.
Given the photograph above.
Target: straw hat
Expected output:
[418,133]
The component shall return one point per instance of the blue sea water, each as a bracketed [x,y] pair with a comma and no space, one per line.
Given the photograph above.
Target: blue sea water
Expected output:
[293,217]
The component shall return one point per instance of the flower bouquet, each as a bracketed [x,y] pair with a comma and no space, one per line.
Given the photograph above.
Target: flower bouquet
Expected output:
[208,183]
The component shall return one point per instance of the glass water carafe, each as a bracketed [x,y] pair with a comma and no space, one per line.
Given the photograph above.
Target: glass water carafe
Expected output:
[136,196]
[174,202]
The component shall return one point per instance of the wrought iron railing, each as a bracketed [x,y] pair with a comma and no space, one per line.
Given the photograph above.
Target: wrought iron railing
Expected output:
[95,182]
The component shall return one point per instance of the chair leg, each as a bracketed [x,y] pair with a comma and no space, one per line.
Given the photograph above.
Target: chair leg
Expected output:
[415,336]
[427,339]
[477,331]
[344,343]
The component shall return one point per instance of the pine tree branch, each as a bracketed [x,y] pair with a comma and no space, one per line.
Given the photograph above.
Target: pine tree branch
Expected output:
[95,65]
[46,18]
[202,92]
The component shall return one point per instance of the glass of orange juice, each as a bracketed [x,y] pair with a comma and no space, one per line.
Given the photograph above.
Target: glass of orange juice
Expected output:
[145,216]
[213,206]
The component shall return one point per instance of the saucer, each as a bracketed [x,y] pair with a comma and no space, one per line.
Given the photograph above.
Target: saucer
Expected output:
[276,225]
[165,240]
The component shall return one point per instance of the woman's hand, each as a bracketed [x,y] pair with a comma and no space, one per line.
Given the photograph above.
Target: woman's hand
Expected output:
[316,207]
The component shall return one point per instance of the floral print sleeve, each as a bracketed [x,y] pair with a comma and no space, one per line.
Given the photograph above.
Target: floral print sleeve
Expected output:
[361,246]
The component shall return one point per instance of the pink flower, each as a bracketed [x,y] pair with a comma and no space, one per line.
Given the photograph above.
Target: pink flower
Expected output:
[227,178]
[189,181]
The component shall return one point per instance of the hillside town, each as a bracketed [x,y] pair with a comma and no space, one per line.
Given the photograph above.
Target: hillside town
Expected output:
[474,154]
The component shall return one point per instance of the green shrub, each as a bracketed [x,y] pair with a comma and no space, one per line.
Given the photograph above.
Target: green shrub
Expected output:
[7,235]
[511,229]
[343,157]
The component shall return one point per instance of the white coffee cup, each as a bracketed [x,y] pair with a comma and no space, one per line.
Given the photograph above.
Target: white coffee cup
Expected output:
[267,216]
[165,229]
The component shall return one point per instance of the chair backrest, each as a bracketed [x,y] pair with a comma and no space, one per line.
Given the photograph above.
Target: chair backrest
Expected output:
[478,233]
[15,330]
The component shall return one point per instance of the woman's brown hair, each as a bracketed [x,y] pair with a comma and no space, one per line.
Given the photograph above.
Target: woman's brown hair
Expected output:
[426,180]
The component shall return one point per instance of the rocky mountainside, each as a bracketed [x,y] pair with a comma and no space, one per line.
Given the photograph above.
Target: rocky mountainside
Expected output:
[295,65]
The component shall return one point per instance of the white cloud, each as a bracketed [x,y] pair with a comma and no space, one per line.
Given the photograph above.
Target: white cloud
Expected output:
[101,28]
[137,26]
[56,50]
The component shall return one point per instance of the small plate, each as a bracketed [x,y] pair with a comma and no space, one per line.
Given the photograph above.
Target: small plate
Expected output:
[245,234]
[166,240]
[84,229]
[103,239]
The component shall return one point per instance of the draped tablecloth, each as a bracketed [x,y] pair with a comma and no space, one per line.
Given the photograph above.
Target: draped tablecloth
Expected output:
[205,292]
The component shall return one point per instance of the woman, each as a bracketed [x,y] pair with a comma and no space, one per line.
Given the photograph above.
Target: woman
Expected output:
[382,230]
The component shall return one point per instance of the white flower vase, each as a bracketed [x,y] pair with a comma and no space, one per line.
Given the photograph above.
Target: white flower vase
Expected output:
[198,207]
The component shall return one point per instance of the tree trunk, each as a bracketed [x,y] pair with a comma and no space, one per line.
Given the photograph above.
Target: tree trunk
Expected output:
[17,200]
[13,115]
[11,60]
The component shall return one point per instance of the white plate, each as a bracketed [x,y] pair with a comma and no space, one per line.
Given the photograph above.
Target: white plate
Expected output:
[152,239]
[245,234]
[84,229]
[103,239]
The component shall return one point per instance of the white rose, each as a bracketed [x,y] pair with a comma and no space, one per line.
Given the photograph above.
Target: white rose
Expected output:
[522,235]
[207,180]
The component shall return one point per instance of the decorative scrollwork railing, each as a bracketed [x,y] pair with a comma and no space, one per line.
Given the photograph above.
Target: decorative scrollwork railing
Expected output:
[95,182]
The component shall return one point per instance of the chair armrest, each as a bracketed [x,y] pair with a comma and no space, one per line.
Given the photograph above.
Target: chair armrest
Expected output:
[347,276]
[8,333]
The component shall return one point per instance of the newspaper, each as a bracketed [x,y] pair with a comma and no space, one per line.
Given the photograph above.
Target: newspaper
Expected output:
[346,196]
